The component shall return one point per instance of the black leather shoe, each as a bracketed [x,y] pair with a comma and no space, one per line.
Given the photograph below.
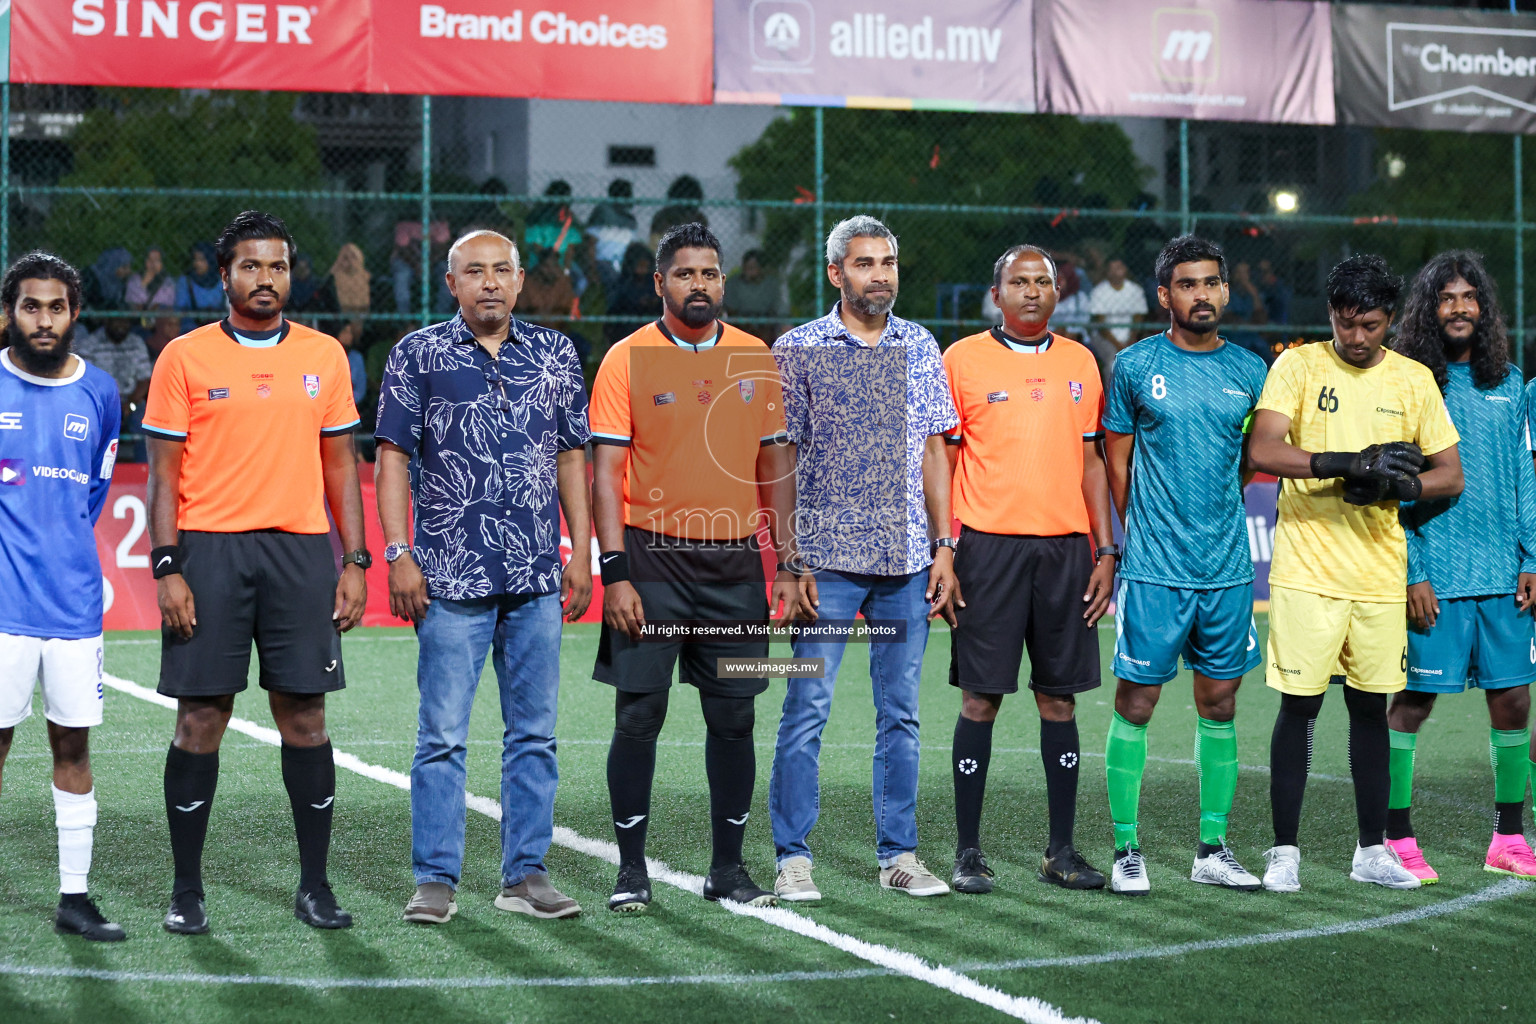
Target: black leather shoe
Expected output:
[78,915]
[732,882]
[187,916]
[1070,870]
[318,909]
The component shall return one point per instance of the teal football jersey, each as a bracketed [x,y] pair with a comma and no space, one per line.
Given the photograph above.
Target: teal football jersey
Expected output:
[1477,543]
[1186,525]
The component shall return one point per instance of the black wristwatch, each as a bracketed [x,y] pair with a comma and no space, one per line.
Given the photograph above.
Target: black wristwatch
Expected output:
[360,558]
[945,542]
[1107,549]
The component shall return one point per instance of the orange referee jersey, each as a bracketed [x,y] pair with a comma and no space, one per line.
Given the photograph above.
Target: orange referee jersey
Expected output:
[694,419]
[1023,419]
[252,419]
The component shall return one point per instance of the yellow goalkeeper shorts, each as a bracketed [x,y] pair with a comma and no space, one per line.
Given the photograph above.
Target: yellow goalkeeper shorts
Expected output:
[1312,637]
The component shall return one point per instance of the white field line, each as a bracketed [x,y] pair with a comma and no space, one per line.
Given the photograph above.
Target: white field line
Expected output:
[1024,1008]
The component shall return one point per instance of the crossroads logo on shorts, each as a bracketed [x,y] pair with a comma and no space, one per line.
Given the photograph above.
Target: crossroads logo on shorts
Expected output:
[13,472]
[1077,391]
[997,396]
[214,394]
[748,389]
[665,398]
[76,427]
[312,385]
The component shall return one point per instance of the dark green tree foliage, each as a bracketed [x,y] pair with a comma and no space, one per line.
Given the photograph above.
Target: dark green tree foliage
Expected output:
[165,138]
[879,157]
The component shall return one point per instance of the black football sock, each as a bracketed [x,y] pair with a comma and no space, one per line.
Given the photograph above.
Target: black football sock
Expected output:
[190,780]
[970,756]
[638,718]
[309,773]
[1369,754]
[1506,818]
[1058,750]
[730,763]
[1399,823]
[1290,759]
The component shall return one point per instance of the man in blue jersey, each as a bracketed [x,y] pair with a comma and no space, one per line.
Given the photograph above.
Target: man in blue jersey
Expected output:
[1179,409]
[59,418]
[1472,559]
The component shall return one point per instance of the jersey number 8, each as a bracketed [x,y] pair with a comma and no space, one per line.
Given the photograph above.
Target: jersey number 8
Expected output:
[1327,401]
[1159,387]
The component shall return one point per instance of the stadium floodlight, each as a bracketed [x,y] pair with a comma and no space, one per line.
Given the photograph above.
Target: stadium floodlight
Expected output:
[1285,201]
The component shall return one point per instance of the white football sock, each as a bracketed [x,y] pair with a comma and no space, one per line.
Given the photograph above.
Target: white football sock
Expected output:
[75,816]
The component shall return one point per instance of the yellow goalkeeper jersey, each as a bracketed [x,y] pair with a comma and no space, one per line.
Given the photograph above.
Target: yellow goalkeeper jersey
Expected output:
[1323,544]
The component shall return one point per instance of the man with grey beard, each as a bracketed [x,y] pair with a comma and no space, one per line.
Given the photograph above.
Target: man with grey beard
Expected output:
[866,403]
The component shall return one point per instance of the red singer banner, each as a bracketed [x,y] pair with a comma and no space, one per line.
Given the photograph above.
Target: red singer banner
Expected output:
[647,51]
[318,45]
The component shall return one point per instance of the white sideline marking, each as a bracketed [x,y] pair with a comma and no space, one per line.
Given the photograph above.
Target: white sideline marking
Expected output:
[1024,1008]
[1497,891]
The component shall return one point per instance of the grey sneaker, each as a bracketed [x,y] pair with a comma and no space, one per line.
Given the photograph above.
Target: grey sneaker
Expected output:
[432,904]
[911,876]
[535,897]
[794,883]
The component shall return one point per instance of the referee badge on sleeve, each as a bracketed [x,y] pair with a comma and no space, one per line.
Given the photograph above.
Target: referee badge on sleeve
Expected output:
[312,385]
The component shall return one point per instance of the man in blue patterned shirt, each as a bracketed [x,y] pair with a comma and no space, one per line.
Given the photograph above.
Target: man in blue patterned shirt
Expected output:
[867,403]
[1471,559]
[493,414]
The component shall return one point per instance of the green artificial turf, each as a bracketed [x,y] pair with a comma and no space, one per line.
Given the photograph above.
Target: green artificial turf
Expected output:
[690,960]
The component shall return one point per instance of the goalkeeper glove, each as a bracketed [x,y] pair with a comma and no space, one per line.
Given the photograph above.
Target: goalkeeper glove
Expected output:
[1391,461]
[1367,490]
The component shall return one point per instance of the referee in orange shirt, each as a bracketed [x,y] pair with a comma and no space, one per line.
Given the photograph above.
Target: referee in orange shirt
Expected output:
[1030,488]
[250,436]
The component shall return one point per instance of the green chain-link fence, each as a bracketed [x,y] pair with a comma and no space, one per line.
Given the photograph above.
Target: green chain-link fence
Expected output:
[374,192]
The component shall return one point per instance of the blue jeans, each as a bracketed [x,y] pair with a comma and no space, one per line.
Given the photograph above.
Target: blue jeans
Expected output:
[895,670]
[522,634]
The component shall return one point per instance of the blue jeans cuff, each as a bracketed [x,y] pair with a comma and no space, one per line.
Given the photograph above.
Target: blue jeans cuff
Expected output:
[886,860]
[450,883]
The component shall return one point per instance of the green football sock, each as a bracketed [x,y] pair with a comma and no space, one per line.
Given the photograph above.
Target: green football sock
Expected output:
[1507,750]
[1216,762]
[1125,760]
[1400,764]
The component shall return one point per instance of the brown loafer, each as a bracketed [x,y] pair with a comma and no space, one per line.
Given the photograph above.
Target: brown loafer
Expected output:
[432,904]
[535,897]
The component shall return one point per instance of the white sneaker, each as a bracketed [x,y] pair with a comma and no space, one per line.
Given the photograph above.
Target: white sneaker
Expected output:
[1221,868]
[1381,865]
[1283,873]
[794,883]
[912,877]
[1130,873]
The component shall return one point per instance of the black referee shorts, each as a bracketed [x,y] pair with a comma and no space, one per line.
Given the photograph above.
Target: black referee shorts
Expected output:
[274,588]
[679,579]
[1023,592]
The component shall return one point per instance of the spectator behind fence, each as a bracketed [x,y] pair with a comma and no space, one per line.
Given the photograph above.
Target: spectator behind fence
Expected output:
[551,224]
[1275,293]
[614,225]
[1115,298]
[685,194]
[118,349]
[753,291]
[305,286]
[106,283]
[634,293]
[151,287]
[347,288]
[547,290]
[349,335]
[405,261]
[164,327]
[1071,316]
[1246,306]
[200,289]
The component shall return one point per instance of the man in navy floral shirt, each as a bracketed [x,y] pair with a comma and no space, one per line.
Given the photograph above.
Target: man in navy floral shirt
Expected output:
[487,415]
[866,403]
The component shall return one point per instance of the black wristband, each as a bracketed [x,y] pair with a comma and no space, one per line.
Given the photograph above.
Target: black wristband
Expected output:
[1407,489]
[165,561]
[1327,465]
[613,567]
[795,568]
